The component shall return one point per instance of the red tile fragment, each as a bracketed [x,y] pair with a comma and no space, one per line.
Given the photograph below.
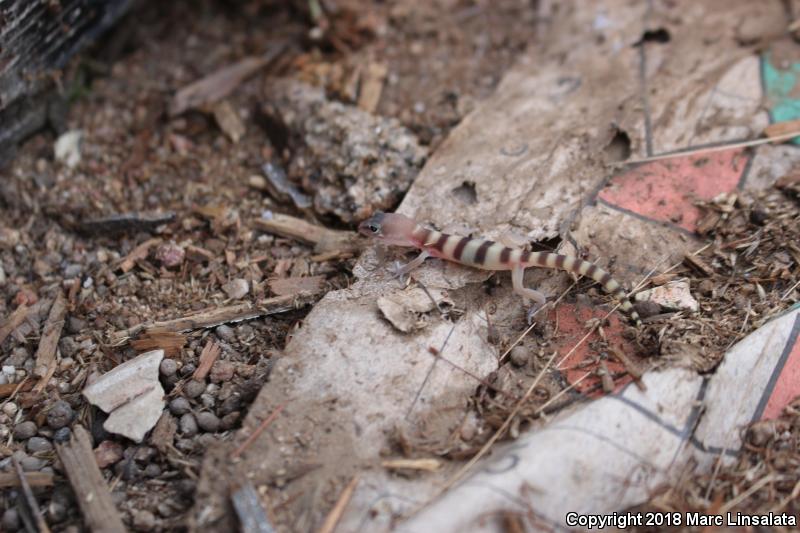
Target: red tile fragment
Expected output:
[665,191]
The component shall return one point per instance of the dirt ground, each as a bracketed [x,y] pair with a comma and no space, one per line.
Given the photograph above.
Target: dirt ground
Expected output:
[439,58]
[192,183]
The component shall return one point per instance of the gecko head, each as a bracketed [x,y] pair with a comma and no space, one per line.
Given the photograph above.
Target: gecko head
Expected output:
[389,228]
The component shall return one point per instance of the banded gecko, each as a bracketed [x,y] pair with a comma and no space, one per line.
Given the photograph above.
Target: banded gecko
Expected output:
[397,230]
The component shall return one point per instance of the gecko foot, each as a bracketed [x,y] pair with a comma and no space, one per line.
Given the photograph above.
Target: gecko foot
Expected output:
[398,271]
[534,310]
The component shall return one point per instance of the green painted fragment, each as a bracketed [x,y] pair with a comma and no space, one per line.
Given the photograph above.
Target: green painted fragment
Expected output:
[783,90]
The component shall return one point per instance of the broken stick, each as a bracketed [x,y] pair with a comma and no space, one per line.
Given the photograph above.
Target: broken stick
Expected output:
[46,352]
[222,315]
[322,238]
[87,482]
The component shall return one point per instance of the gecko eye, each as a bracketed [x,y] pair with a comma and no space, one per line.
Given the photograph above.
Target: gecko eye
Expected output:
[374,228]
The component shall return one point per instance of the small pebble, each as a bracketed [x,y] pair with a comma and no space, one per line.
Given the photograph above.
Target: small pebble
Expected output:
[108,453]
[18,356]
[62,435]
[221,371]
[75,325]
[167,508]
[60,415]
[129,470]
[185,445]
[145,454]
[57,512]
[25,430]
[208,422]
[38,444]
[236,288]
[229,421]
[11,521]
[179,406]
[143,520]
[187,369]
[170,255]
[72,271]
[68,347]
[32,464]
[193,389]
[168,367]
[225,333]
[10,409]
[232,403]
[188,425]
[519,356]
[152,470]
[186,487]
[208,400]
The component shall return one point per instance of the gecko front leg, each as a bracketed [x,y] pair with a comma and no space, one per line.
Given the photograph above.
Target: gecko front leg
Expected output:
[540,300]
[399,270]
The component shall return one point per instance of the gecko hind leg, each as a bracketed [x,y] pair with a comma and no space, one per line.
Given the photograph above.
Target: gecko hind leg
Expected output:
[539,299]
[400,271]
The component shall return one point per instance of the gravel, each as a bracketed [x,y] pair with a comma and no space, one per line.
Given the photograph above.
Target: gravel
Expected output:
[25,430]
[62,435]
[60,415]
[168,367]
[57,512]
[180,406]
[230,404]
[11,521]
[10,409]
[143,520]
[188,425]
[38,444]
[519,356]
[221,371]
[32,464]
[225,333]
[193,389]
[208,422]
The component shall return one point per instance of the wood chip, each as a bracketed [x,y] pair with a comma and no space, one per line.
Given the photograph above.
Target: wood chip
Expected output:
[289,286]
[46,352]
[782,129]
[662,278]
[214,317]
[163,433]
[698,264]
[170,341]
[322,238]
[88,484]
[220,83]
[125,223]
[13,321]
[428,465]
[34,479]
[8,390]
[137,254]
[229,121]
[372,87]
[208,356]
[30,499]
[336,513]
[199,255]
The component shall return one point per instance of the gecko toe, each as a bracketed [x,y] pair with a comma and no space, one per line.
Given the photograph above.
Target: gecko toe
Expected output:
[533,311]
[398,272]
